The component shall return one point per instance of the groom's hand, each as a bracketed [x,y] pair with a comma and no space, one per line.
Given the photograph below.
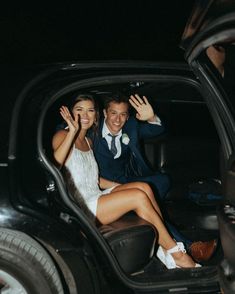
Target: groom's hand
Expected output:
[144,109]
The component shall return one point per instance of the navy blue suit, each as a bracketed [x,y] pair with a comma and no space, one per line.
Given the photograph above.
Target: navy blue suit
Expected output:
[130,166]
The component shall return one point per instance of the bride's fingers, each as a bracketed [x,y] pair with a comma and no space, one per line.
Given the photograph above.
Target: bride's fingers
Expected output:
[65,113]
[76,117]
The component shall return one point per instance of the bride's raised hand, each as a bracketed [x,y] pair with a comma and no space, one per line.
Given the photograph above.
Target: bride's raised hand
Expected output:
[72,123]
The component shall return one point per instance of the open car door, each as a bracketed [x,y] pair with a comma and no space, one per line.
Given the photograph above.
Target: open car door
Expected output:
[209,44]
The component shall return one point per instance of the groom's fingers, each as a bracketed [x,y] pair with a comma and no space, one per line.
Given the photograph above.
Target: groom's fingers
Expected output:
[133,104]
[140,100]
[145,100]
[136,100]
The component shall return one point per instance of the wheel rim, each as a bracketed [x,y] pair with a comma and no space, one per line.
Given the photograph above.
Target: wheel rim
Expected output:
[10,285]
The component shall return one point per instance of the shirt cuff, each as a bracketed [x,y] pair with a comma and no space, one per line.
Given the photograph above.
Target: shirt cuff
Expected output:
[156,122]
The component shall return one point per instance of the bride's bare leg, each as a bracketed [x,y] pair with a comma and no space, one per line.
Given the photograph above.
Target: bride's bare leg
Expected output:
[112,206]
[143,187]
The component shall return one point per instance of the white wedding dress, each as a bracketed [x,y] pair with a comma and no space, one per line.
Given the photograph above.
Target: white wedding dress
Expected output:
[83,169]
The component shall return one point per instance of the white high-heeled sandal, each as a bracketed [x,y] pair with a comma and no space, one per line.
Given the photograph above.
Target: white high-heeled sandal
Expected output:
[166,257]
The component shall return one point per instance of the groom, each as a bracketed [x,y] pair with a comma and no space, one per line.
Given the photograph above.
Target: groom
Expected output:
[122,132]
[117,151]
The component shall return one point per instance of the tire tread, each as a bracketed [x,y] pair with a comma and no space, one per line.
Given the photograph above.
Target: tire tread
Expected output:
[30,248]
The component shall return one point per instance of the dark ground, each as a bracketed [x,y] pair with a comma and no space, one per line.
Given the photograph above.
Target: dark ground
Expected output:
[148,30]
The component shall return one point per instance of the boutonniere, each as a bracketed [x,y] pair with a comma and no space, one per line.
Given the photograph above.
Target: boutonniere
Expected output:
[125,139]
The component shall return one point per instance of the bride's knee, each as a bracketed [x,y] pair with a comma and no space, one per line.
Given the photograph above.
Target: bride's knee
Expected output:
[145,187]
[141,197]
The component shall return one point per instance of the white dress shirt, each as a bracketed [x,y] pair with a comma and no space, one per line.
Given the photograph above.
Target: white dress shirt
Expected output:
[106,132]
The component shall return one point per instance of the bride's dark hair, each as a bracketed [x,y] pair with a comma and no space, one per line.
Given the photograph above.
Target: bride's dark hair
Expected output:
[87,97]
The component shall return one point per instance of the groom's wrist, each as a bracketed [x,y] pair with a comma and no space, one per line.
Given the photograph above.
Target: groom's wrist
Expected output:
[155,121]
[152,119]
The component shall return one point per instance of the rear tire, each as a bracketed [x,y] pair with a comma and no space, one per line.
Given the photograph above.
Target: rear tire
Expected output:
[25,266]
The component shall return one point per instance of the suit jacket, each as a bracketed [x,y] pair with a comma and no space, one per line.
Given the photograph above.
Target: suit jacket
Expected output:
[131,162]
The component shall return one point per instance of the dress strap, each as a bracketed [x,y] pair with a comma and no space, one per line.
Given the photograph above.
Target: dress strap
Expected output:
[88,143]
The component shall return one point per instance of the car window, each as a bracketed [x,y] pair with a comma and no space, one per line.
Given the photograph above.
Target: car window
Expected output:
[222,56]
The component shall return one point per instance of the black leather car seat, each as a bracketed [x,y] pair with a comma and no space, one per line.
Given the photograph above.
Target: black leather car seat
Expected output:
[132,240]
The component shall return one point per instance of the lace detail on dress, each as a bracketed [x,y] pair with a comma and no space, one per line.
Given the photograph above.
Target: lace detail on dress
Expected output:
[75,194]
[82,172]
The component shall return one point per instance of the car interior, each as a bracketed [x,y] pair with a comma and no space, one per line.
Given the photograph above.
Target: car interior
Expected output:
[189,152]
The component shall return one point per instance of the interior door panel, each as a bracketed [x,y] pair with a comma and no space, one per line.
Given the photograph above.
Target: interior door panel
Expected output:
[189,150]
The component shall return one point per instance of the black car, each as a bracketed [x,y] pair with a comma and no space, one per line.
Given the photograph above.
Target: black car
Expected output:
[48,244]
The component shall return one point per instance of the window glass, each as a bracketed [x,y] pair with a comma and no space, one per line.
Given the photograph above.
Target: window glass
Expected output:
[222,57]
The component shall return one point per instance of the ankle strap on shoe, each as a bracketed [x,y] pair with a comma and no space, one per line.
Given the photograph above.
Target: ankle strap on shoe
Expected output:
[179,247]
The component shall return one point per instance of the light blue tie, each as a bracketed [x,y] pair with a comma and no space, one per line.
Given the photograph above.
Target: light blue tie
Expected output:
[113,145]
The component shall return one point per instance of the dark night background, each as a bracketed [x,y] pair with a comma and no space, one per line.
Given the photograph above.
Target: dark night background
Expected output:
[147,30]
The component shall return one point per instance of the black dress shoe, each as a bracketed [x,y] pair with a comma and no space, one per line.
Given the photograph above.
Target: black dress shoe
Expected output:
[202,251]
